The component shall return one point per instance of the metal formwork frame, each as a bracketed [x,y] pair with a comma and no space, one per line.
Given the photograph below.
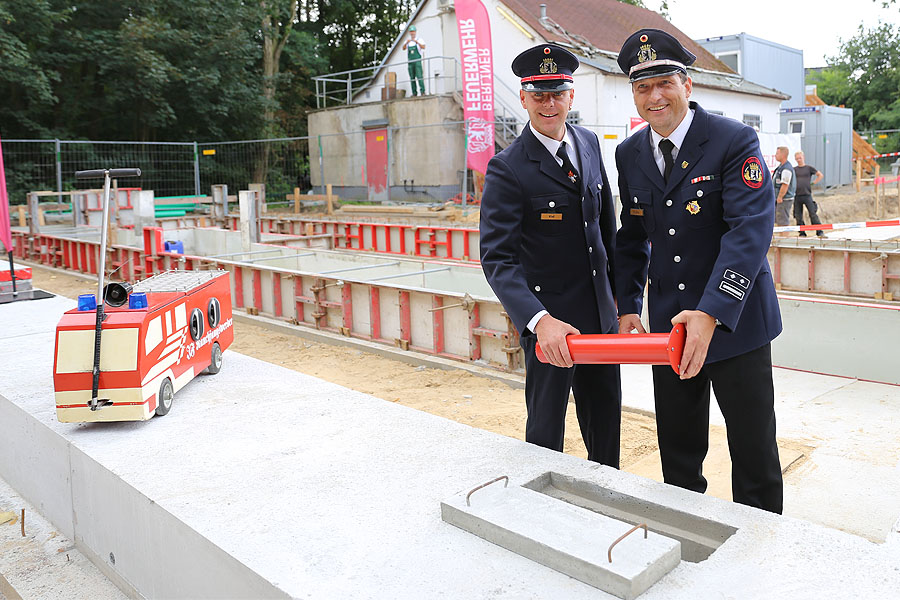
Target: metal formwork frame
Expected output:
[384,312]
[856,269]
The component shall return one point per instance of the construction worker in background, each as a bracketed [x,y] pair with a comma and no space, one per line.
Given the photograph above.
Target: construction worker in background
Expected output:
[415,47]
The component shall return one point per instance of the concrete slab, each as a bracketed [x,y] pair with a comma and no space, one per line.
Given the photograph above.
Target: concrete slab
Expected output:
[565,537]
[264,482]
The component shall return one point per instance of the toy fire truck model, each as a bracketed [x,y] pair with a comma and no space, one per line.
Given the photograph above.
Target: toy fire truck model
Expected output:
[156,337]
[127,364]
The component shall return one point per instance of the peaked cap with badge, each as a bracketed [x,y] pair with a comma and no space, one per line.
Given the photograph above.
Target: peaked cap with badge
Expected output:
[653,53]
[546,68]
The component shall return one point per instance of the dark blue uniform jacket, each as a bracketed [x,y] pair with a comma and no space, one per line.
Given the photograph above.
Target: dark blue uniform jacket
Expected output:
[709,228]
[547,243]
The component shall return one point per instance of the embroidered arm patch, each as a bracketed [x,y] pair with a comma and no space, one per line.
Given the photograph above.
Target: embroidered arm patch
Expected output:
[752,173]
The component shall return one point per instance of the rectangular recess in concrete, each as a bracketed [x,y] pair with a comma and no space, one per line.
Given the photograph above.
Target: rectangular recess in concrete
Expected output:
[567,538]
[699,537]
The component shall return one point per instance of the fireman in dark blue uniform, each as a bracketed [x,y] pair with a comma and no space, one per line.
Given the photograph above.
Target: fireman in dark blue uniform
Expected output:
[697,217]
[547,231]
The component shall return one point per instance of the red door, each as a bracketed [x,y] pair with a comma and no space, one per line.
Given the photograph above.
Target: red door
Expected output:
[377,164]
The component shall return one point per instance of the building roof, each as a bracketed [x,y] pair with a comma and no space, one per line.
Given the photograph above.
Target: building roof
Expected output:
[726,80]
[604,24]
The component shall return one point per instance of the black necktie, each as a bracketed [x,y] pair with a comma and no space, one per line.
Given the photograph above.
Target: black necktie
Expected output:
[666,146]
[567,165]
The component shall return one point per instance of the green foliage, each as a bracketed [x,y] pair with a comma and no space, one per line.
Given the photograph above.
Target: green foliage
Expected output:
[865,76]
[178,71]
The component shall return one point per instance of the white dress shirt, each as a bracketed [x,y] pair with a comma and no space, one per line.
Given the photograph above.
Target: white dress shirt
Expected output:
[552,147]
[676,137]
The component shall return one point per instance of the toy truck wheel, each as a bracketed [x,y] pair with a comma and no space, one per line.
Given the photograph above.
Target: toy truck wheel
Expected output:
[215,364]
[165,397]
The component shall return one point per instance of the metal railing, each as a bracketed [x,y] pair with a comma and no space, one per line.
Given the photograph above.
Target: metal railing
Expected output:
[341,87]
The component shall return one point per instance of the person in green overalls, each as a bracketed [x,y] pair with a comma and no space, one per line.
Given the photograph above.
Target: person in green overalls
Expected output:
[414,48]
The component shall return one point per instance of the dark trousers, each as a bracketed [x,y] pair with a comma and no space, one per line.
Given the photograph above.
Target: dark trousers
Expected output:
[811,207]
[746,397]
[598,405]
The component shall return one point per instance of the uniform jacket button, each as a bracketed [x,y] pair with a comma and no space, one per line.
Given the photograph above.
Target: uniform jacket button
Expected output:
[677,258]
[551,204]
[668,203]
[585,223]
[635,199]
[537,288]
[671,232]
[594,272]
[681,286]
[699,193]
[590,249]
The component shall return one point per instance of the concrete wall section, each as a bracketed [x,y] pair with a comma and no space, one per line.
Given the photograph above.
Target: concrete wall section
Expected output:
[424,156]
[142,547]
[840,346]
[27,447]
[28,444]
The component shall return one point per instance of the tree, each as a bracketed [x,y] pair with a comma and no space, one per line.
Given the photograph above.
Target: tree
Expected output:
[26,81]
[865,76]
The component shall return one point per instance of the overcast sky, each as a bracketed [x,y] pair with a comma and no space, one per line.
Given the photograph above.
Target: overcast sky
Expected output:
[814,27]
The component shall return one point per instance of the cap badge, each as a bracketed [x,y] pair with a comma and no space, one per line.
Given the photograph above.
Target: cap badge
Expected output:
[646,53]
[548,66]
[546,50]
[752,173]
[692,207]
[643,38]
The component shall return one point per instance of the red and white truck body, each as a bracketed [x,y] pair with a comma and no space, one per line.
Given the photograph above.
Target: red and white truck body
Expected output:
[187,319]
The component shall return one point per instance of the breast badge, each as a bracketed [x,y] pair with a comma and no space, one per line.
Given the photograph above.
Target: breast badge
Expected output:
[752,173]
[692,207]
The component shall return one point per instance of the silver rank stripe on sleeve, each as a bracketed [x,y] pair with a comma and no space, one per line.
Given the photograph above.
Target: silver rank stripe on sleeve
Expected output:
[733,282]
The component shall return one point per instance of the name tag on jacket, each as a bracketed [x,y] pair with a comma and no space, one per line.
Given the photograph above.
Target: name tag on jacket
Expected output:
[551,216]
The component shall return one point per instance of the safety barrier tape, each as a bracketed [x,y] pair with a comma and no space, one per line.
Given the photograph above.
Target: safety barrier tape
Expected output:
[878,156]
[837,226]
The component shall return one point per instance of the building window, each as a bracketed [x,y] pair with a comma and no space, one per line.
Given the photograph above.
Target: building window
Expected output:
[731,59]
[796,127]
[752,120]
[573,118]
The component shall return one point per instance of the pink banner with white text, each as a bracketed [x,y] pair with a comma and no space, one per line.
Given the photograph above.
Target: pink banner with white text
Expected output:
[478,82]
[5,232]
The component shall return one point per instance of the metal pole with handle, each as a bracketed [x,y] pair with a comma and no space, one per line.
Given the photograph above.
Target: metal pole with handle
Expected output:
[107,175]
